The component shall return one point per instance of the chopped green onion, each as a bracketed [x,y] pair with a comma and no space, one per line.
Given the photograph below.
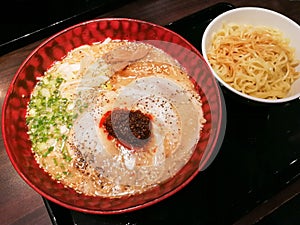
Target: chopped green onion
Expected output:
[48,117]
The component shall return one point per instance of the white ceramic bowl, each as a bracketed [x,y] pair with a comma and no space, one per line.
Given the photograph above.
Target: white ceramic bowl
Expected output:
[255,16]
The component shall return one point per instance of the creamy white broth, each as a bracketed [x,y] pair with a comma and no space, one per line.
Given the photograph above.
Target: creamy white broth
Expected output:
[72,98]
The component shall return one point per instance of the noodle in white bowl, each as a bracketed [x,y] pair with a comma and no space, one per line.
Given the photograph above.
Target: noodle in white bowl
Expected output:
[253,52]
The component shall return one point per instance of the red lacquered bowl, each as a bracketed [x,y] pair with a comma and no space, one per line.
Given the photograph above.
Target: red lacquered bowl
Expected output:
[14,129]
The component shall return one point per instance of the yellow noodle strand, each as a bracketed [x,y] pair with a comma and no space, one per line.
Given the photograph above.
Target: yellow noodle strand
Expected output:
[254,60]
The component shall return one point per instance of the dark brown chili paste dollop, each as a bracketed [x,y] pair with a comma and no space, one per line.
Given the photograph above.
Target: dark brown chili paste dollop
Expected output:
[131,128]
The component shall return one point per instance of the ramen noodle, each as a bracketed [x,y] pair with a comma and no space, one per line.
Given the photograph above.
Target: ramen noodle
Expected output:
[254,60]
[114,118]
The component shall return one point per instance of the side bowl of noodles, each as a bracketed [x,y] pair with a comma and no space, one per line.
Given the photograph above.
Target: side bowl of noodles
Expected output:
[112,115]
[254,52]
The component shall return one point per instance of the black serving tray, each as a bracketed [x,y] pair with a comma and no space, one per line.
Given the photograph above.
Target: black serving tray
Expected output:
[260,155]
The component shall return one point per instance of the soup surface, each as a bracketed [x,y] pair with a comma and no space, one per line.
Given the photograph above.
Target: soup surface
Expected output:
[114,118]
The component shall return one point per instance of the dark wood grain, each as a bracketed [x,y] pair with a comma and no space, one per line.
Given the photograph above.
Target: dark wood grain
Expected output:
[19,204]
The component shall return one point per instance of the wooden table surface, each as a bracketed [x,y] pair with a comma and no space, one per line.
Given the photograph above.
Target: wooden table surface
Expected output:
[19,204]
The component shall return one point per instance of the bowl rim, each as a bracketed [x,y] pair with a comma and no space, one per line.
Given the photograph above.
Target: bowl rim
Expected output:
[205,40]
[220,125]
